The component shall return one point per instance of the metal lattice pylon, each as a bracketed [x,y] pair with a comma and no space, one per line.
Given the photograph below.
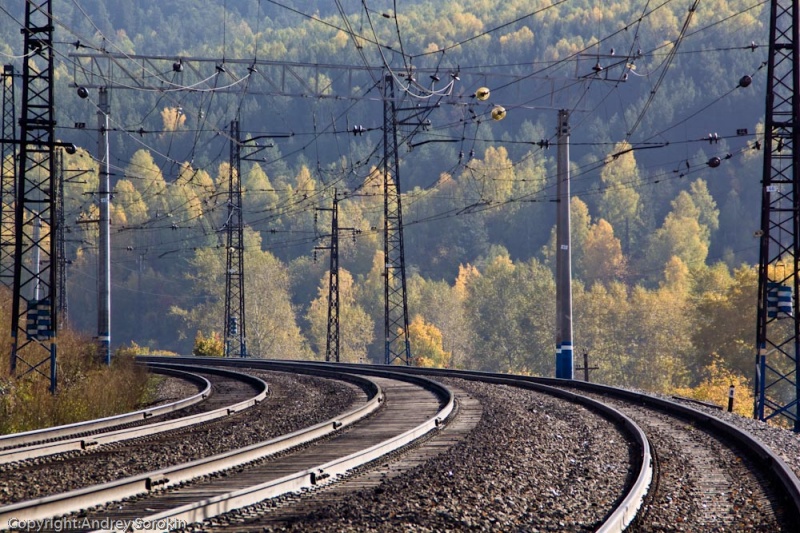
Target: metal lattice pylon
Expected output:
[332,343]
[778,323]
[34,314]
[235,334]
[8,178]
[398,348]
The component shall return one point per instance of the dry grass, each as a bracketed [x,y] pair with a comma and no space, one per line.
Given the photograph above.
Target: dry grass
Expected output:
[87,388]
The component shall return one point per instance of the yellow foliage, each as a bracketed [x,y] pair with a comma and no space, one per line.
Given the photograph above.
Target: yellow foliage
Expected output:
[87,388]
[340,40]
[173,118]
[521,37]
[211,346]
[426,344]
[466,273]
[714,388]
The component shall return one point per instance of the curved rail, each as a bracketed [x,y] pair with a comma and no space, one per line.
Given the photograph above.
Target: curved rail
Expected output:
[759,452]
[95,440]
[60,504]
[617,520]
[307,478]
[38,435]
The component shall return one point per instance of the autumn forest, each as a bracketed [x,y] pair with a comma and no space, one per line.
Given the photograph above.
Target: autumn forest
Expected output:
[664,282]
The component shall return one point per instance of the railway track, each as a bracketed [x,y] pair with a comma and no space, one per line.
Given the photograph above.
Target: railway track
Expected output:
[390,427]
[707,474]
[225,397]
[686,469]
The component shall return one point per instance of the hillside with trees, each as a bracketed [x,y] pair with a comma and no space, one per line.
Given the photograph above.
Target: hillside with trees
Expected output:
[664,282]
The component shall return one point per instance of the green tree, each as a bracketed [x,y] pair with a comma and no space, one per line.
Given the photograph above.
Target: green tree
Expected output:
[620,203]
[682,235]
[272,330]
[439,305]
[258,194]
[148,180]
[355,325]
[511,311]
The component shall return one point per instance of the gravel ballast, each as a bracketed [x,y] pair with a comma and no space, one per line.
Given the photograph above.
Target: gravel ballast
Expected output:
[294,402]
[532,463]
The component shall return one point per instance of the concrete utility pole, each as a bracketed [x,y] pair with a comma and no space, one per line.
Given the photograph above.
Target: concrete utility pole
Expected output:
[104,244]
[564,363]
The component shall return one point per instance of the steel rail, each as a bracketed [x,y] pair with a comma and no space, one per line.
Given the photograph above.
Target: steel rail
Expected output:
[76,500]
[37,435]
[120,435]
[320,475]
[617,520]
[764,457]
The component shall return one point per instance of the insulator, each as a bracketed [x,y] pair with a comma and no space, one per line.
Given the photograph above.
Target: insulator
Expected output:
[177,66]
[714,162]
[498,113]
[483,94]
[434,77]
[597,67]
[83,92]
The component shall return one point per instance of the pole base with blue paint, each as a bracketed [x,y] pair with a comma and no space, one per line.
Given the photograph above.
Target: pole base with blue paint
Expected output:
[564,363]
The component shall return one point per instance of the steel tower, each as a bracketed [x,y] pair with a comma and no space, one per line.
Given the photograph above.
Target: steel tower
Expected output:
[34,313]
[398,349]
[778,321]
[8,177]
[235,334]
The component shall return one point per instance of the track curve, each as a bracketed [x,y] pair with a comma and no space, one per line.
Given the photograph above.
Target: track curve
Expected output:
[375,432]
